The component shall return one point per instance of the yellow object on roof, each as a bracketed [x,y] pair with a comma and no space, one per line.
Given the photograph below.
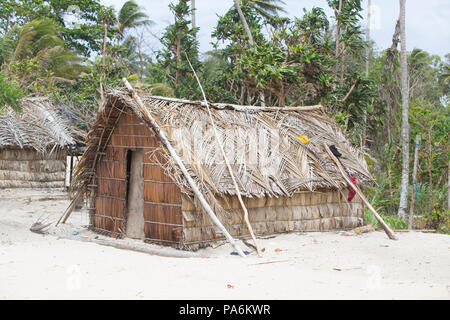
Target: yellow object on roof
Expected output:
[303,139]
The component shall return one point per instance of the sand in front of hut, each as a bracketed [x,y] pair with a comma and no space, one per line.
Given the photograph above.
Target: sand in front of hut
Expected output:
[332,265]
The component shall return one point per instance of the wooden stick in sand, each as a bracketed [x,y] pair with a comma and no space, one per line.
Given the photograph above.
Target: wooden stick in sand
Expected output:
[135,247]
[386,228]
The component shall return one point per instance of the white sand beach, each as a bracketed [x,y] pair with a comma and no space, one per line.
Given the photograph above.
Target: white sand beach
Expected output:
[334,265]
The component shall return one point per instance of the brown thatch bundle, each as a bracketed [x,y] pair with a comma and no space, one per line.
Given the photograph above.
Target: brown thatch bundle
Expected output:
[263,145]
[39,127]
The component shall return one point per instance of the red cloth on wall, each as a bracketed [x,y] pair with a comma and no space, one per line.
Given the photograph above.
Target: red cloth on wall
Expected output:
[351,191]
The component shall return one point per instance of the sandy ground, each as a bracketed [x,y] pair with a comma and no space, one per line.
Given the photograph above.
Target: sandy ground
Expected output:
[339,265]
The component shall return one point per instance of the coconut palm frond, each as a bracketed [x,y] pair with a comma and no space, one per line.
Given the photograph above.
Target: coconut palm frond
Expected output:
[39,40]
[131,16]
[267,8]
[9,43]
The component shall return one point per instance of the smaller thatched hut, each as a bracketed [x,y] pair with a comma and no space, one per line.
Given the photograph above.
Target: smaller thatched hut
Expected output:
[285,177]
[34,145]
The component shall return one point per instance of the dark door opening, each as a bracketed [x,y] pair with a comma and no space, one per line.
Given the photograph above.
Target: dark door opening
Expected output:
[135,195]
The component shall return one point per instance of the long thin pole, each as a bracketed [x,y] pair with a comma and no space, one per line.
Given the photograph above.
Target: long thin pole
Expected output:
[448,186]
[413,194]
[180,164]
[369,4]
[386,228]
[135,247]
[368,36]
[250,40]
[403,204]
[240,108]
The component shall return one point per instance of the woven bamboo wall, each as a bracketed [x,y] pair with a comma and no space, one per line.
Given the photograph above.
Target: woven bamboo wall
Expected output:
[307,211]
[162,198]
[27,168]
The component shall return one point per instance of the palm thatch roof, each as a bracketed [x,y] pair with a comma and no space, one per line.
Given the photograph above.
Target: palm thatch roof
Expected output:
[282,164]
[39,126]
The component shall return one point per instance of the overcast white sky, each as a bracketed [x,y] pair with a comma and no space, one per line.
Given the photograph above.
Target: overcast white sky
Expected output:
[427,22]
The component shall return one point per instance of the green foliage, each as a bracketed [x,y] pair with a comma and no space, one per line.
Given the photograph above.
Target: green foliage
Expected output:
[267,8]
[295,63]
[180,44]
[315,28]
[85,39]
[10,94]
[298,61]
[88,86]
[392,221]
[131,16]
[442,219]
[36,58]
[230,28]
[162,89]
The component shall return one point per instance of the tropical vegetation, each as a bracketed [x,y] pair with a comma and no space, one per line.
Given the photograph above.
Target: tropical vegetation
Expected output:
[259,57]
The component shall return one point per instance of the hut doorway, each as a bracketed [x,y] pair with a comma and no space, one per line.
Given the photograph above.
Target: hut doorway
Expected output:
[135,195]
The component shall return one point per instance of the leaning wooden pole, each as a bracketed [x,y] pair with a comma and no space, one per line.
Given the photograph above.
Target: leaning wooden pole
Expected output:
[386,228]
[235,107]
[180,164]
[139,247]
[69,209]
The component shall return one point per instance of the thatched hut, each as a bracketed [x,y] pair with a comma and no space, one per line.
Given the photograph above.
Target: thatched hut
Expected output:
[287,181]
[34,145]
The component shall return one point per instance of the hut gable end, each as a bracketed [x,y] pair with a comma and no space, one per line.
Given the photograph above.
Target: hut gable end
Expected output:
[162,197]
[33,145]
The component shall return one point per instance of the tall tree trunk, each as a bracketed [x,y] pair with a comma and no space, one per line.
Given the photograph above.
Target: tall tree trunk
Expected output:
[338,32]
[138,43]
[141,63]
[430,176]
[338,28]
[388,67]
[105,26]
[193,15]
[178,58]
[250,40]
[244,21]
[405,124]
[193,22]
[369,4]
[341,77]
[7,24]
[413,193]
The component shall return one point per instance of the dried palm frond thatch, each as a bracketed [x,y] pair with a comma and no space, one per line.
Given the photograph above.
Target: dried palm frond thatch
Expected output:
[39,127]
[268,159]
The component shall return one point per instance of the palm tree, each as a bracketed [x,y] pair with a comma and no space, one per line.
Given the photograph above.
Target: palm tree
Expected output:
[107,17]
[39,41]
[369,4]
[405,110]
[267,8]
[131,16]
